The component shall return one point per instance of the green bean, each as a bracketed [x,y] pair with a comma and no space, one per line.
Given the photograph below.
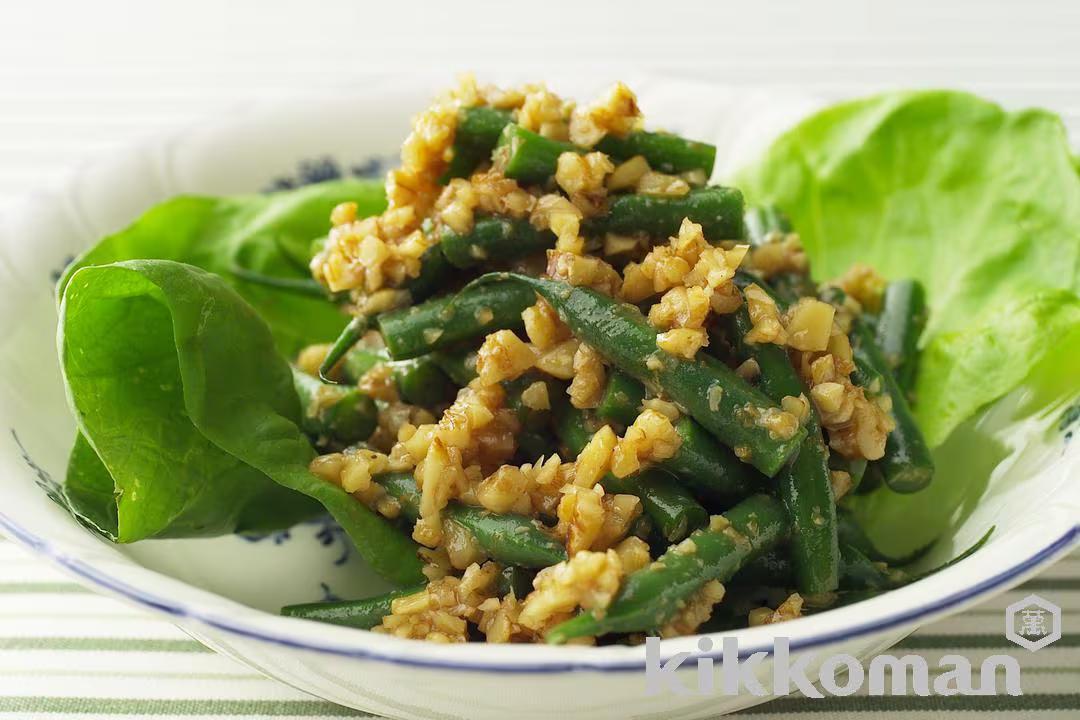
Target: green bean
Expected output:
[516,580]
[709,468]
[701,463]
[674,511]
[718,209]
[507,538]
[419,381]
[854,467]
[434,270]
[771,569]
[857,571]
[528,157]
[364,614]
[340,414]
[344,342]
[804,484]
[360,360]
[907,466]
[459,364]
[762,221]
[665,152]
[530,418]
[709,390]
[653,595]
[622,399]
[871,479]
[494,239]
[534,440]
[299,286]
[442,322]
[902,319]
[478,130]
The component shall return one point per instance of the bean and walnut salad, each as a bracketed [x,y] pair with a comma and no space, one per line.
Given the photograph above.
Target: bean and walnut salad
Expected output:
[604,397]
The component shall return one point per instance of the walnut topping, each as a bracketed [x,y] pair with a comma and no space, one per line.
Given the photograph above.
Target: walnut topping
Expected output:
[582,178]
[616,113]
[765,317]
[588,580]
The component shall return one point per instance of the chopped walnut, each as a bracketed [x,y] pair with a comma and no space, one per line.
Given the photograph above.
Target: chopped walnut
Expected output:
[587,271]
[616,113]
[587,387]
[582,177]
[765,317]
[503,356]
[588,580]
[651,437]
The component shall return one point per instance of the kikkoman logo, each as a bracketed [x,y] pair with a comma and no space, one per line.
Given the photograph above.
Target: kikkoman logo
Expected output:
[1033,622]
[953,675]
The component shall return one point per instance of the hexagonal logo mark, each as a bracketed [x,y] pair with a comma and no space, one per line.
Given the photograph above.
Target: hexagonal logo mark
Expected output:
[1033,622]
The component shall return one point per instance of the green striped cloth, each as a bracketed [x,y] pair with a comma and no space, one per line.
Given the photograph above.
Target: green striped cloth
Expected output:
[65,651]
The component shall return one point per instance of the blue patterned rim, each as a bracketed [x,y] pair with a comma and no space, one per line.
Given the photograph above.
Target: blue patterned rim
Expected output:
[148,600]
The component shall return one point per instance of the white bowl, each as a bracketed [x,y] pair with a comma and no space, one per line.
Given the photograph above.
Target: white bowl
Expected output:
[226,591]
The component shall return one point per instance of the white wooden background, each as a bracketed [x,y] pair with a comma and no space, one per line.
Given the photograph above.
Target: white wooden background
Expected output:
[80,77]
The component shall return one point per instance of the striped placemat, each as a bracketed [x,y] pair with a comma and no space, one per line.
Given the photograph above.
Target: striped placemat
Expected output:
[68,652]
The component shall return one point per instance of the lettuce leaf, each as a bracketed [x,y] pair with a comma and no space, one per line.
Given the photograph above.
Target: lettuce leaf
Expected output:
[980,204]
[269,233]
[188,417]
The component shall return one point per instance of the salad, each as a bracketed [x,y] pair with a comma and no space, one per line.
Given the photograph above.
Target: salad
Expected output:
[558,387]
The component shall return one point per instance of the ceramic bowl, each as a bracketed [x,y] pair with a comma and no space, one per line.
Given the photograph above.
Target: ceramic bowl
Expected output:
[226,591]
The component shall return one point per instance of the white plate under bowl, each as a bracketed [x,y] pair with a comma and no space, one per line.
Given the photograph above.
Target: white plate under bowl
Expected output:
[225,591]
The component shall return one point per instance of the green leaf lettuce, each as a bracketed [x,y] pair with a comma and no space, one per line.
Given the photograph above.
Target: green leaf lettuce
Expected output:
[269,233]
[188,416]
[980,204]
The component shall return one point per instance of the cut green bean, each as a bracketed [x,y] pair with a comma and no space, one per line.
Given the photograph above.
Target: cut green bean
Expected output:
[458,363]
[299,286]
[516,580]
[443,322]
[708,468]
[871,479]
[529,157]
[434,270]
[709,390]
[478,130]
[665,152]
[804,484]
[854,467]
[700,462]
[771,569]
[622,399]
[718,209]
[344,342]
[531,418]
[907,466]
[507,538]
[901,322]
[364,614]
[673,511]
[419,381]
[651,596]
[494,239]
[763,221]
[339,414]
